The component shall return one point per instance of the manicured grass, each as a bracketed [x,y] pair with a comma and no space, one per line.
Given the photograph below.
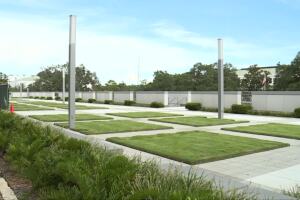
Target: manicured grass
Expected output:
[143,114]
[63,117]
[115,126]
[24,107]
[64,106]
[272,129]
[197,147]
[197,121]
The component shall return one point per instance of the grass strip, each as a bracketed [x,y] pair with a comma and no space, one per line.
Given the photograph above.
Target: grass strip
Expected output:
[143,114]
[115,126]
[63,106]
[197,121]
[271,129]
[64,117]
[27,107]
[197,147]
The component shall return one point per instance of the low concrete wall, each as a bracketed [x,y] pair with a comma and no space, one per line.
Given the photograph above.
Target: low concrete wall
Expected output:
[284,101]
[210,99]
[121,96]
[104,95]
[147,97]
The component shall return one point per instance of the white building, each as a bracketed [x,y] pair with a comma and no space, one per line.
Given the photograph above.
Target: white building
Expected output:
[16,81]
[271,69]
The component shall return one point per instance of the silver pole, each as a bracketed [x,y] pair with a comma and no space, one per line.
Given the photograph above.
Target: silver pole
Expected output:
[72,71]
[21,90]
[63,85]
[220,80]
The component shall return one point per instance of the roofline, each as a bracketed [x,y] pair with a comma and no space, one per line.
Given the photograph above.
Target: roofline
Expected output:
[268,67]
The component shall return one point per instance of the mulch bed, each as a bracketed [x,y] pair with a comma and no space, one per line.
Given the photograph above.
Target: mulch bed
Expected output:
[22,187]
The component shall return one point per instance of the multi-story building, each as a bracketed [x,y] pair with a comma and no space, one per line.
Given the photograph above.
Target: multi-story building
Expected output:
[271,69]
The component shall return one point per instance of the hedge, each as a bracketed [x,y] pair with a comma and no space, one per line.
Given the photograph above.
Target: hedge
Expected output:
[297,112]
[129,103]
[108,101]
[91,100]
[156,105]
[193,106]
[241,109]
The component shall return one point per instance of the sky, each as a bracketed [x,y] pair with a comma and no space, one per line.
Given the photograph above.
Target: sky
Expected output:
[127,40]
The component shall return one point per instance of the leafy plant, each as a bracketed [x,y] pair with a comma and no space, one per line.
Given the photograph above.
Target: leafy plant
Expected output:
[108,101]
[91,100]
[241,109]
[193,106]
[156,105]
[129,103]
[297,112]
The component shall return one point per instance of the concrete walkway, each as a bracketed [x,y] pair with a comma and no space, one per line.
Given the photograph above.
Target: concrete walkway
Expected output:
[271,170]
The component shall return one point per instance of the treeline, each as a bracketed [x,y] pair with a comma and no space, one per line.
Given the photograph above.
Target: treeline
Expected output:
[201,77]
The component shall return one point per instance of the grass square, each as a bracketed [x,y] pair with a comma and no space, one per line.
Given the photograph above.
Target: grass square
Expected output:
[197,147]
[64,106]
[271,129]
[197,121]
[114,126]
[25,107]
[64,117]
[143,114]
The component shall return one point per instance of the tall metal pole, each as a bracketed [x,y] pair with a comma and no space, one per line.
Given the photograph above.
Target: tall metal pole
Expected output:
[63,85]
[72,71]
[220,80]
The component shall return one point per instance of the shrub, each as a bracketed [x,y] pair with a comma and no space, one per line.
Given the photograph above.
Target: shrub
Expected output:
[36,97]
[91,100]
[42,97]
[67,168]
[57,98]
[66,98]
[129,103]
[193,106]
[49,98]
[156,105]
[297,112]
[31,97]
[108,101]
[241,109]
[78,100]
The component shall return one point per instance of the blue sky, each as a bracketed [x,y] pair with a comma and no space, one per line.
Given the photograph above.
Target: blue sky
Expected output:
[172,35]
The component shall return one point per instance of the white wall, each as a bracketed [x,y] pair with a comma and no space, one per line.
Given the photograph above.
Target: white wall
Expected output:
[177,98]
[147,97]
[210,99]
[104,95]
[121,96]
[284,101]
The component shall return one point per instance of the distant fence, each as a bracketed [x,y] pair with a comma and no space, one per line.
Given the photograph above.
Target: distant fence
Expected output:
[283,101]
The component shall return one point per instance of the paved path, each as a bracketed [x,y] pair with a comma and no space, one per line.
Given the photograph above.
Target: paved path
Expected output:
[276,169]
[5,191]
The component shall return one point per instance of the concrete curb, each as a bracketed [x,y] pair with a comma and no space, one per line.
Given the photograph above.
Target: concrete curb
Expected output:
[6,192]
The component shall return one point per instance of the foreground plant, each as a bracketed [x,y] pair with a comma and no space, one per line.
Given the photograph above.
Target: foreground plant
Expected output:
[69,169]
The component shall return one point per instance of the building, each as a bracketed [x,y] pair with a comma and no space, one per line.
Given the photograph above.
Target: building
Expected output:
[16,81]
[271,69]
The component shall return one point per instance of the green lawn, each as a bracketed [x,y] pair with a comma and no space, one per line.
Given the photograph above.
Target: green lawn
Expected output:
[63,106]
[197,121]
[143,114]
[197,147]
[115,126]
[272,129]
[24,107]
[63,117]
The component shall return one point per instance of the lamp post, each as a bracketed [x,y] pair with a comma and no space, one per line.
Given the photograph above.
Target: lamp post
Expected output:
[63,85]
[220,80]
[72,71]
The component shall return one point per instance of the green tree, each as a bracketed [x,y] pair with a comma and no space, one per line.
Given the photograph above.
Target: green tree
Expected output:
[50,79]
[256,79]
[288,76]
[3,78]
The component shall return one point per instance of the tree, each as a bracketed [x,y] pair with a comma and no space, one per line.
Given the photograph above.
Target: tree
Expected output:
[288,76]
[50,79]
[3,78]
[256,79]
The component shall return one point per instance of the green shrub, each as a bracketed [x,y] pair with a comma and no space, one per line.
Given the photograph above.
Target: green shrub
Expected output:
[91,100]
[57,98]
[42,97]
[78,100]
[297,112]
[49,98]
[241,109]
[156,105]
[67,168]
[193,106]
[31,97]
[108,101]
[36,97]
[129,103]
[66,98]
